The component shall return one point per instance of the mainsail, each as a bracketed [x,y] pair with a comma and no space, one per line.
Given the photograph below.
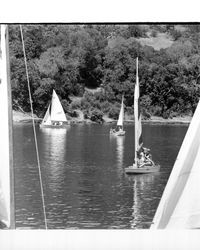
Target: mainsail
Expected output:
[121,114]
[6,158]
[54,112]
[137,116]
[180,203]
[57,112]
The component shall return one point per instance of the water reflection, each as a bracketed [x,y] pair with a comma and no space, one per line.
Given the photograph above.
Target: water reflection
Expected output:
[120,150]
[118,144]
[142,185]
[54,148]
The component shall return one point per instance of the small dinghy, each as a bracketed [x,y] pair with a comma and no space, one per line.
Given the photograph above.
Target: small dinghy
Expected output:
[55,115]
[143,160]
[145,168]
[119,131]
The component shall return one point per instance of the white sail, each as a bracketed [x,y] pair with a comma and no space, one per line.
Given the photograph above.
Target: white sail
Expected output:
[47,117]
[57,112]
[137,115]
[6,134]
[180,203]
[121,114]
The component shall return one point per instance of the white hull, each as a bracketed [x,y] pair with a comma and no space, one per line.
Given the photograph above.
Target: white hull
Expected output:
[144,169]
[64,126]
[118,133]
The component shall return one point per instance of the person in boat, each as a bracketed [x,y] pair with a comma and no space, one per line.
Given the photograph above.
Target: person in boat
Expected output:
[112,130]
[144,157]
[141,157]
[148,156]
[146,152]
[120,129]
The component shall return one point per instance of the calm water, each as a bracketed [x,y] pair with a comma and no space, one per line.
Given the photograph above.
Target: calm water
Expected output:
[83,176]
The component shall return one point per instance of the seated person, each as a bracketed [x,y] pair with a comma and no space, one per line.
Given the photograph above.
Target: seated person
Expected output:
[120,129]
[141,158]
[147,155]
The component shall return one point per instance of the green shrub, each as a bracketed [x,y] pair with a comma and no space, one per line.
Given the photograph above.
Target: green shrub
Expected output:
[86,115]
[65,105]
[74,113]
[154,33]
[145,101]
[96,116]
[100,96]
[146,114]
[176,34]
[166,114]
[85,104]
[130,110]
[75,104]
[96,104]
[105,106]
[113,112]
[88,96]
[156,110]
[174,114]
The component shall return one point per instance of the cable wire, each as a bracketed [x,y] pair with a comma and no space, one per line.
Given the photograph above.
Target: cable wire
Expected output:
[34,130]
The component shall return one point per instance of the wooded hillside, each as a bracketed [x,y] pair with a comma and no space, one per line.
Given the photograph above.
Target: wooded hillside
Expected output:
[73,59]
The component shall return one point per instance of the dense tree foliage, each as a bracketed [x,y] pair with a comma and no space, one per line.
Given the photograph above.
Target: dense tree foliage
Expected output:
[73,58]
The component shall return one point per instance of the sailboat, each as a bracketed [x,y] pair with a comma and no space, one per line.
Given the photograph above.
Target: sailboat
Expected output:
[143,163]
[119,131]
[7,214]
[55,115]
[179,207]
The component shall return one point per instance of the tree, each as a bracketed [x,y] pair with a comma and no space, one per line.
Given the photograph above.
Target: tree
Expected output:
[69,58]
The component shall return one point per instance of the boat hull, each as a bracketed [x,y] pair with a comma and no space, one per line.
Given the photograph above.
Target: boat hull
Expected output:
[118,133]
[63,126]
[146,169]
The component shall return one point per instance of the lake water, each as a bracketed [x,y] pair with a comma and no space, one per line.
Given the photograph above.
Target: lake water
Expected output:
[85,186]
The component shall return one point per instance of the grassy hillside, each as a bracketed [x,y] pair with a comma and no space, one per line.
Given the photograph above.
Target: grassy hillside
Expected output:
[161,41]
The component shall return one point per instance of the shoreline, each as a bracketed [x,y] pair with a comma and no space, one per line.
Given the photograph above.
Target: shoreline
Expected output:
[19,117]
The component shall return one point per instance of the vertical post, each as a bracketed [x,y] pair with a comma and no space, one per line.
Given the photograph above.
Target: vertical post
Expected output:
[10,124]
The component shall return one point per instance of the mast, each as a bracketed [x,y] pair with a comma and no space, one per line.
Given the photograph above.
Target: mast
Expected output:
[6,158]
[136,96]
[137,116]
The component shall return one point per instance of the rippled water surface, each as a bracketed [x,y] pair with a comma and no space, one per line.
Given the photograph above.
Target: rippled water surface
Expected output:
[83,176]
